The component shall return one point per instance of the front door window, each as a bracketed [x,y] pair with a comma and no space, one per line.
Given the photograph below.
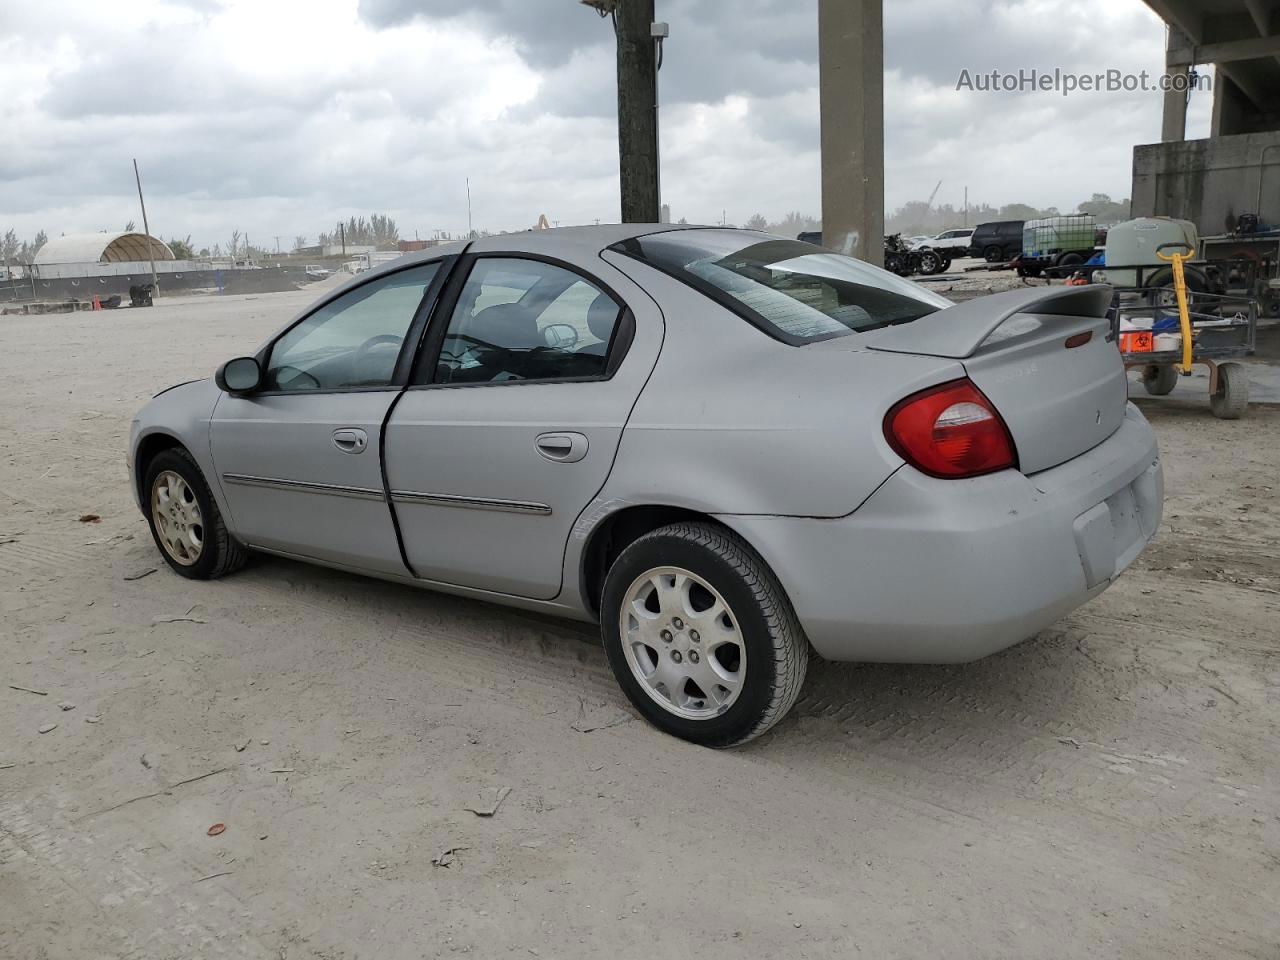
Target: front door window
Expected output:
[353,341]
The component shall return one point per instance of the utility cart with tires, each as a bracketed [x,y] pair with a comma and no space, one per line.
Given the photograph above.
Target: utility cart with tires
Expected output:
[1152,339]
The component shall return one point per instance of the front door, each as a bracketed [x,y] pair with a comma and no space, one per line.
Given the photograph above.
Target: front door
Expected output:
[512,423]
[300,460]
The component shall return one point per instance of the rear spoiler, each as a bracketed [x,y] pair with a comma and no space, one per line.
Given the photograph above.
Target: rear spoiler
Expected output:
[960,330]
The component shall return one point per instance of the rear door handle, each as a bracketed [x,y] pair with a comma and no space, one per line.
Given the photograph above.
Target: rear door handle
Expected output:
[562,447]
[350,440]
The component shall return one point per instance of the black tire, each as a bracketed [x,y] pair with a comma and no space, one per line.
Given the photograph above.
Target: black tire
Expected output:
[1159,379]
[1232,398]
[946,265]
[1161,293]
[1069,260]
[930,262]
[775,649]
[992,254]
[220,553]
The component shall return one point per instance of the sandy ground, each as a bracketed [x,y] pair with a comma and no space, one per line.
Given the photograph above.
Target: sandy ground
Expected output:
[1109,788]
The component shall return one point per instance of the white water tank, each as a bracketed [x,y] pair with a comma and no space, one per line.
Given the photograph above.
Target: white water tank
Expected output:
[1134,242]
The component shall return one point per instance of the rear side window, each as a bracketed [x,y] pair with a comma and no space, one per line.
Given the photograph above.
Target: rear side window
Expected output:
[519,320]
[787,288]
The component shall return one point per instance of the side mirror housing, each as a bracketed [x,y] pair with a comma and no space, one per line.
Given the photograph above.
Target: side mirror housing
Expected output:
[239,376]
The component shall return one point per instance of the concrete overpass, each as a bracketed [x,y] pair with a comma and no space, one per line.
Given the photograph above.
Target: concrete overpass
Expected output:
[1241,38]
[1237,169]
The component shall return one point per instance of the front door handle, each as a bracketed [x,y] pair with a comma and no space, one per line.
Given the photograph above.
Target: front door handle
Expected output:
[350,440]
[562,447]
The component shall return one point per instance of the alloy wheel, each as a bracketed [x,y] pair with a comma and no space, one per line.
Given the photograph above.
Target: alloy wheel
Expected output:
[682,642]
[176,513]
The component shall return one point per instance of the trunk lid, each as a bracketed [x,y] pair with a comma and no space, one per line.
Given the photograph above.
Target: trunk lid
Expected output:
[1057,400]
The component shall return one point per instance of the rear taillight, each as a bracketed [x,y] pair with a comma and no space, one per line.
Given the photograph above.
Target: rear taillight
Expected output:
[950,431]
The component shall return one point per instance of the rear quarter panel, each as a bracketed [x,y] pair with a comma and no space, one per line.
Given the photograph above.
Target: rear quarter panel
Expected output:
[732,421]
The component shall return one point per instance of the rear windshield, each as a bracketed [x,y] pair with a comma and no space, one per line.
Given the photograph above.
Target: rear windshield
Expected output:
[793,291]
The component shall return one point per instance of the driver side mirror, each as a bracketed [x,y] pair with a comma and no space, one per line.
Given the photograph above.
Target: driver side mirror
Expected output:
[239,376]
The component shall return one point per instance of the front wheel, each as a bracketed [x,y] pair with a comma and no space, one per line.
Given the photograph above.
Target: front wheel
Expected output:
[930,262]
[700,635]
[185,521]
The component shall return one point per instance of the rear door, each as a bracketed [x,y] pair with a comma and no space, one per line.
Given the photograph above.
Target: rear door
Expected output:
[514,415]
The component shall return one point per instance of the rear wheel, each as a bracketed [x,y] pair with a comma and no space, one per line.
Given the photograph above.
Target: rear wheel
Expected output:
[992,254]
[1159,379]
[185,521]
[1232,397]
[700,636]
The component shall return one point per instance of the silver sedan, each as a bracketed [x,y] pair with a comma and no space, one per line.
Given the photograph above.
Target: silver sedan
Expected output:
[726,447]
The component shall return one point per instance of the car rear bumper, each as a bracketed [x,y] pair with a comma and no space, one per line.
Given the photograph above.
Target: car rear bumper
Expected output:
[942,571]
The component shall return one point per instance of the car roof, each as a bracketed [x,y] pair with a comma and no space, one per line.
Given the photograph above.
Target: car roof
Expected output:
[556,242]
[593,237]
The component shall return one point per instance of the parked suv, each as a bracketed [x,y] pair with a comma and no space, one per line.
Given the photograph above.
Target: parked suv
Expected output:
[997,241]
[954,242]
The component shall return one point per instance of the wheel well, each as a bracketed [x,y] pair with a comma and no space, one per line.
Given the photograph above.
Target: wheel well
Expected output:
[148,449]
[618,531]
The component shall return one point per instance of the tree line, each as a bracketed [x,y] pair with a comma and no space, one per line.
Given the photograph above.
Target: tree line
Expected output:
[13,250]
[379,230]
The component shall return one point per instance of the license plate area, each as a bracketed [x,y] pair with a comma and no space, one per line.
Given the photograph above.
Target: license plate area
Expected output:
[1109,535]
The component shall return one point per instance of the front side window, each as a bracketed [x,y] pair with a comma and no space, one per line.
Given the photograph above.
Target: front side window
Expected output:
[353,341]
[526,320]
[791,291]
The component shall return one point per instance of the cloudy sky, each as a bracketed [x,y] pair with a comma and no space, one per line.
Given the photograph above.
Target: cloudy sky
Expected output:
[277,117]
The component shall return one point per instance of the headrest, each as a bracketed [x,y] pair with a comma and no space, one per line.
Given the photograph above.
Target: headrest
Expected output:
[506,325]
[601,316]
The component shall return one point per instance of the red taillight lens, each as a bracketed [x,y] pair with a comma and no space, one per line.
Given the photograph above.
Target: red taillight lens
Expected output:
[950,430]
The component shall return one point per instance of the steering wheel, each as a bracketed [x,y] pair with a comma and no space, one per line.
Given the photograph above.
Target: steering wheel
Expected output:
[362,351]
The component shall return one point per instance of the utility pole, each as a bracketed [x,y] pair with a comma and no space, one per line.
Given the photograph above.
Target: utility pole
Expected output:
[469,230]
[659,32]
[342,232]
[851,95]
[637,110]
[277,246]
[151,255]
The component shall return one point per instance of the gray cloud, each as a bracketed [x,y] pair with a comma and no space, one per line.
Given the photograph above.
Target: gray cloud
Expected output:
[545,34]
[280,118]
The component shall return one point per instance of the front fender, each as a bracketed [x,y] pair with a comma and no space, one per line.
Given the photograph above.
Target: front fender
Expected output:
[180,414]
